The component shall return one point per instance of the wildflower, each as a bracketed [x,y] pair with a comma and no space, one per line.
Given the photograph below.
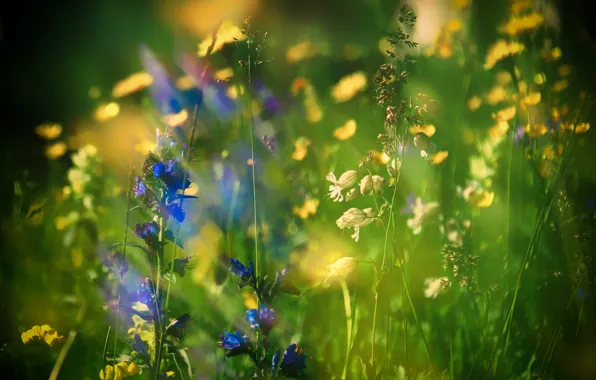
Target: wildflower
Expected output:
[578,129]
[505,114]
[356,219]
[439,157]
[500,51]
[481,198]
[474,103]
[140,188]
[351,195]
[263,318]
[479,169]
[341,268]
[560,85]
[433,286]
[565,70]
[531,99]
[119,371]
[348,87]
[107,111]
[345,131]
[518,135]
[300,148]
[371,184]
[149,232]
[308,208]
[496,95]
[44,332]
[345,181]
[300,51]
[132,84]
[428,129]
[56,150]
[175,119]
[227,33]
[293,361]
[499,130]
[172,174]
[234,343]
[49,131]
[237,268]
[517,25]
[146,293]
[421,212]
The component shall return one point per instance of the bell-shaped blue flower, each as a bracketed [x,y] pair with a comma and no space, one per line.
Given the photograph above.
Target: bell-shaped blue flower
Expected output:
[234,343]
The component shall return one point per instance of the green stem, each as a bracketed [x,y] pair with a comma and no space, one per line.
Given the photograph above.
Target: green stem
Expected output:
[348,313]
[252,157]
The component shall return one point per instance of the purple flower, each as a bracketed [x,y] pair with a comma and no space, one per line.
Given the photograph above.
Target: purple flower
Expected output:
[147,231]
[293,362]
[140,189]
[518,135]
[235,343]
[264,318]
[239,269]
[146,292]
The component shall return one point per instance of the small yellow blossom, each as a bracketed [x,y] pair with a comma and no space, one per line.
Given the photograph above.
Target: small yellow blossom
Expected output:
[505,114]
[517,25]
[348,87]
[132,84]
[227,33]
[49,131]
[345,131]
[503,78]
[499,130]
[175,119]
[307,209]
[565,70]
[43,332]
[474,103]
[428,129]
[518,6]
[439,157]
[539,78]
[380,157]
[536,130]
[531,99]
[496,95]
[501,50]
[250,300]
[300,51]
[560,85]
[185,82]
[482,199]
[224,74]
[107,111]
[300,148]
[56,150]
[579,128]
[551,55]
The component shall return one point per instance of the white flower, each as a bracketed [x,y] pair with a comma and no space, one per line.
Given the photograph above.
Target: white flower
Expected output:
[345,181]
[356,218]
[421,212]
[433,286]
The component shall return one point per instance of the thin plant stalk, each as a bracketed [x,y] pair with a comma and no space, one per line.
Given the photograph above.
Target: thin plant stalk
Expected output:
[69,341]
[252,158]
[124,245]
[349,322]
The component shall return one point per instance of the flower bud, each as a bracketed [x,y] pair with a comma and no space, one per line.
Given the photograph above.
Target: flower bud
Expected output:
[348,179]
[366,185]
[351,194]
[341,268]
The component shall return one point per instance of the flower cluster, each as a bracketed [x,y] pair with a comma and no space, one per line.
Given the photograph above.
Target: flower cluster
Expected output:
[260,322]
[42,333]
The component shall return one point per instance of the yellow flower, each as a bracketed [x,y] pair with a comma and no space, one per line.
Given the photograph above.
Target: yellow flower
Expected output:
[348,87]
[439,157]
[250,300]
[224,74]
[453,26]
[540,78]
[499,130]
[522,24]
[560,85]
[44,332]
[482,199]
[107,374]
[132,84]
[227,33]
[501,50]
[474,103]
[380,157]
[300,51]
[551,55]
[579,129]
[345,131]
[565,70]
[496,95]
[56,150]
[519,6]
[49,131]
[503,78]
[307,209]
[531,99]
[536,130]
[428,129]
[175,119]
[300,148]
[233,92]
[505,114]
[107,111]
[314,112]
[185,82]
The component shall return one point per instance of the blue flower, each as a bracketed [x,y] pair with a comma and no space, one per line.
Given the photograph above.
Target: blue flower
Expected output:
[140,189]
[264,314]
[239,269]
[147,231]
[235,343]
[146,293]
[293,362]
[175,211]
